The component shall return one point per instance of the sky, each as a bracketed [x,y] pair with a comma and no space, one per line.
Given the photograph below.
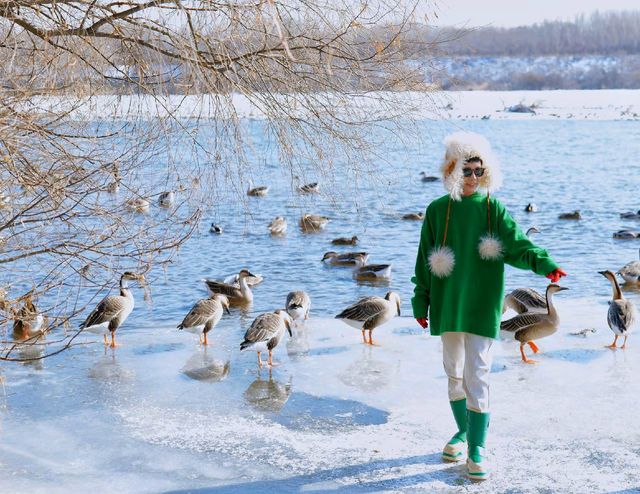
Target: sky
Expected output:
[509,13]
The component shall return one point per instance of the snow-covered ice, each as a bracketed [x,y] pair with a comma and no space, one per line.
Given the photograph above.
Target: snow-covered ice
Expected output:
[334,416]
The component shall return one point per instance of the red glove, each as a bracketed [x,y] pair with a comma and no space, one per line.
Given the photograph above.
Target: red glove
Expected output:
[556,274]
[423,321]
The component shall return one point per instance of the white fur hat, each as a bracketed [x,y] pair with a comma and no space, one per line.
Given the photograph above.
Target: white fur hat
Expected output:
[460,147]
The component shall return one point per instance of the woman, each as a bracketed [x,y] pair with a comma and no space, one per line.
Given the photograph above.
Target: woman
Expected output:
[459,281]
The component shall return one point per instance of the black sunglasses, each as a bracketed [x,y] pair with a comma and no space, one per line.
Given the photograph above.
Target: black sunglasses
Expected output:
[478,172]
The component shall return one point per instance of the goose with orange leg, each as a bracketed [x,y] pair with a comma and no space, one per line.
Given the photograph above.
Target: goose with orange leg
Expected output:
[532,326]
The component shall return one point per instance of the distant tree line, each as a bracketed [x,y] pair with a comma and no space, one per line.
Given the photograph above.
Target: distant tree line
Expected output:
[599,33]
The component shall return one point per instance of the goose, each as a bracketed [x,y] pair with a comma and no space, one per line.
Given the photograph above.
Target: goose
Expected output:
[372,272]
[28,322]
[345,241]
[631,215]
[113,310]
[259,191]
[113,187]
[413,216]
[138,205]
[531,208]
[523,300]
[621,314]
[531,231]
[238,295]
[167,199]
[205,314]
[311,188]
[215,229]
[370,312]
[630,272]
[428,178]
[534,325]
[234,279]
[347,259]
[313,222]
[298,305]
[265,333]
[625,235]
[575,215]
[278,226]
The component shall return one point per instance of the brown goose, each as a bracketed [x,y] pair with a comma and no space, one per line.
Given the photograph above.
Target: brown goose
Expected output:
[298,305]
[237,295]
[621,314]
[28,322]
[312,188]
[113,310]
[533,326]
[345,241]
[413,216]
[575,215]
[630,272]
[372,272]
[313,222]
[265,333]
[206,313]
[346,259]
[370,312]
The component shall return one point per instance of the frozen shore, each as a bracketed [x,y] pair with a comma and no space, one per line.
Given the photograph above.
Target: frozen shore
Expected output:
[607,104]
[334,416]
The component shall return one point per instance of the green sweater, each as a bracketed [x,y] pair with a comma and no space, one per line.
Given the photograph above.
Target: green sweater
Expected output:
[470,299]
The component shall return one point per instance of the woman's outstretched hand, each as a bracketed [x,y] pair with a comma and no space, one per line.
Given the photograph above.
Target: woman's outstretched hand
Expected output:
[423,321]
[556,274]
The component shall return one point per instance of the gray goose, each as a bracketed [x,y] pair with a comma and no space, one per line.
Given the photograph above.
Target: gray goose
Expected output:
[265,333]
[205,314]
[533,326]
[523,300]
[113,310]
[372,272]
[621,314]
[278,226]
[345,241]
[28,322]
[313,222]
[237,295]
[259,191]
[346,259]
[253,280]
[631,215]
[370,312]
[311,188]
[298,305]
[630,272]
[575,215]
[167,199]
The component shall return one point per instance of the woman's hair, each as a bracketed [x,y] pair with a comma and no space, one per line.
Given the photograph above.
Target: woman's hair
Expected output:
[465,147]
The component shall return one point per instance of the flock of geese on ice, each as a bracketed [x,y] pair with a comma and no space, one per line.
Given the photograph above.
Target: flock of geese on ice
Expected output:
[537,317]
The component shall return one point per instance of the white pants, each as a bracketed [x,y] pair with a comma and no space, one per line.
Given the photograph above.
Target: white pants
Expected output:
[467,363]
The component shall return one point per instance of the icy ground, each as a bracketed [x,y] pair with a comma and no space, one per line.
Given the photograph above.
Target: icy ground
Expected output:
[160,414]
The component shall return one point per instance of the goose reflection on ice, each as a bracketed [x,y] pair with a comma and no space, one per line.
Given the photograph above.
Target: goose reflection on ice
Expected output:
[203,366]
[267,395]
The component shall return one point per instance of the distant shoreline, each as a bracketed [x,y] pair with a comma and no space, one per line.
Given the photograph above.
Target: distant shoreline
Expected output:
[605,104]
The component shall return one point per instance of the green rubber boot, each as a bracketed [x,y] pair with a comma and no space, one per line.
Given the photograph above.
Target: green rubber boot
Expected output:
[477,468]
[454,450]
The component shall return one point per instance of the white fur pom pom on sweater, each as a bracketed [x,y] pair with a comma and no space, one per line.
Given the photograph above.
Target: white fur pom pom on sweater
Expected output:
[441,261]
[490,248]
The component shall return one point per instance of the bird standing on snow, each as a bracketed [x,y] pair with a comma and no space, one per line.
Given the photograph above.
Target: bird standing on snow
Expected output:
[113,310]
[265,333]
[621,314]
[370,312]
[533,326]
[298,305]
[206,313]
